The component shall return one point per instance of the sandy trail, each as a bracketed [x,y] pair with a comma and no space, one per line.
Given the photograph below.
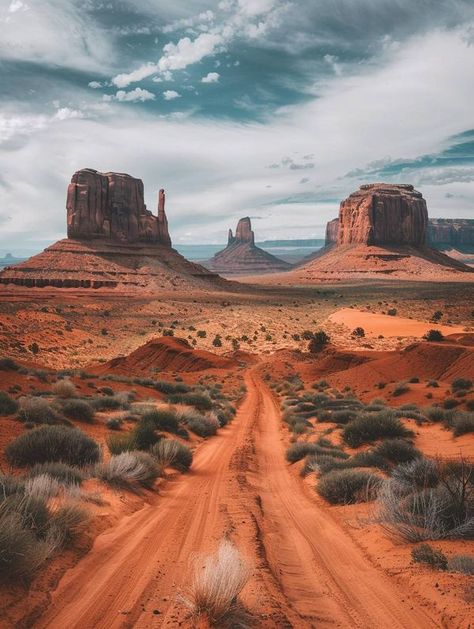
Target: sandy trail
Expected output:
[308,570]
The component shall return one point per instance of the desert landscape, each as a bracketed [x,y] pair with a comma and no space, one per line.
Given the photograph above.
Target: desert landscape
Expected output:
[236,314]
[274,450]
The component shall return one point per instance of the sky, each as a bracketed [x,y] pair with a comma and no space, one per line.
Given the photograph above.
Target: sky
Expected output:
[275,109]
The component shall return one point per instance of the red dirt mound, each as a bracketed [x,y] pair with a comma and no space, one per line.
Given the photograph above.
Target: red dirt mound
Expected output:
[167,354]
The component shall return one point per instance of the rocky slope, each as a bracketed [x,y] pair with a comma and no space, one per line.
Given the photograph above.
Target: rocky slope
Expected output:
[113,240]
[242,256]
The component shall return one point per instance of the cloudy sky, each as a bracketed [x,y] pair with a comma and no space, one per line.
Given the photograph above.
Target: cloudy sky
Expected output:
[275,109]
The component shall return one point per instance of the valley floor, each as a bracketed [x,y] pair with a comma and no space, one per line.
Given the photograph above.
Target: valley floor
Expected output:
[308,569]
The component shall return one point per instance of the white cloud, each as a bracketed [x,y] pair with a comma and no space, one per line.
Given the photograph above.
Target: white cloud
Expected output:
[171,95]
[95,85]
[134,96]
[212,77]
[66,113]
[143,72]
[17,5]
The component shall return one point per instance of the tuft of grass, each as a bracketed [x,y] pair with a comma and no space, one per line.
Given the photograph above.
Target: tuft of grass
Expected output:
[162,419]
[8,405]
[172,453]
[348,486]
[397,451]
[368,428]
[462,563]
[64,389]
[130,470]
[63,473]
[80,410]
[36,410]
[462,424]
[217,582]
[424,553]
[52,443]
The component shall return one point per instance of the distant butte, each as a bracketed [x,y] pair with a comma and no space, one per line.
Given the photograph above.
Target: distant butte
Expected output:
[242,256]
[382,229]
[113,241]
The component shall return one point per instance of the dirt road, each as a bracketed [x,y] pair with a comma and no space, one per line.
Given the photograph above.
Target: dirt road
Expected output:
[308,571]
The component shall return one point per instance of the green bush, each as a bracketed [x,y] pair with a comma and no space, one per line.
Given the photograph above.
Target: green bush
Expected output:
[143,435]
[121,443]
[348,486]
[8,405]
[462,563]
[78,410]
[202,426]
[114,423]
[424,553]
[52,443]
[200,401]
[434,336]
[36,410]
[172,453]
[107,403]
[370,428]
[461,383]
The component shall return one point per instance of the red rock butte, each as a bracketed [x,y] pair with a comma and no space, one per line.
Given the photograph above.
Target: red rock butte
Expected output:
[242,256]
[113,240]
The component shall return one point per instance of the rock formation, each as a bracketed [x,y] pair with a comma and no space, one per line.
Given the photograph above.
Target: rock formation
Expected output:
[243,256]
[111,206]
[332,231]
[382,229]
[451,232]
[113,241]
[383,214]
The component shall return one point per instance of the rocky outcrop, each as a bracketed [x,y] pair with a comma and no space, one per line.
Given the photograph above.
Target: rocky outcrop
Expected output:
[243,256]
[451,232]
[111,206]
[332,231]
[383,214]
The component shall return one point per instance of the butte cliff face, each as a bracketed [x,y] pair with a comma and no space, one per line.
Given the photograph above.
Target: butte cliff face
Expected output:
[243,256]
[451,232]
[383,214]
[111,206]
[113,241]
[382,229]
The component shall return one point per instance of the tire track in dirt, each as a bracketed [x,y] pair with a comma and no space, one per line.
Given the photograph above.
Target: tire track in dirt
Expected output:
[308,571]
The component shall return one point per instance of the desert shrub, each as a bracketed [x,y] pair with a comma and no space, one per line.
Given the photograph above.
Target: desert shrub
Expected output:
[52,443]
[462,423]
[36,410]
[369,428]
[461,383]
[400,389]
[470,405]
[397,451]
[63,473]
[64,388]
[114,423]
[79,410]
[415,511]
[322,463]
[343,416]
[21,553]
[450,403]
[144,435]
[348,486]
[170,387]
[437,414]
[8,405]
[200,401]
[162,419]
[202,425]
[67,520]
[414,380]
[121,443]
[300,450]
[358,332]
[434,336]
[107,403]
[216,583]
[461,563]
[424,553]
[172,453]
[318,342]
[433,384]
[130,470]
[106,390]
[8,364]
[418,474]
[392,312]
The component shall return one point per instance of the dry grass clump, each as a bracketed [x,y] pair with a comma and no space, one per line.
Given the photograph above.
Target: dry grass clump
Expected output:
[172,453]
[36,410]
[131,470]
[348,486]
[217,581]
[64,389]
[429,500]
[370,427]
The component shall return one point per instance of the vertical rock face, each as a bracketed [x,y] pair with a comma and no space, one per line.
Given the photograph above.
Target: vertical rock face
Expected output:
[332,231]
[383,214]
[111,206]
[451,231]
[244,233]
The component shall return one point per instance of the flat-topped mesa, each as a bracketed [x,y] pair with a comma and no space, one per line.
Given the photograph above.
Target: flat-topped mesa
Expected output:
[383,214]
[454,232]
[111,206]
